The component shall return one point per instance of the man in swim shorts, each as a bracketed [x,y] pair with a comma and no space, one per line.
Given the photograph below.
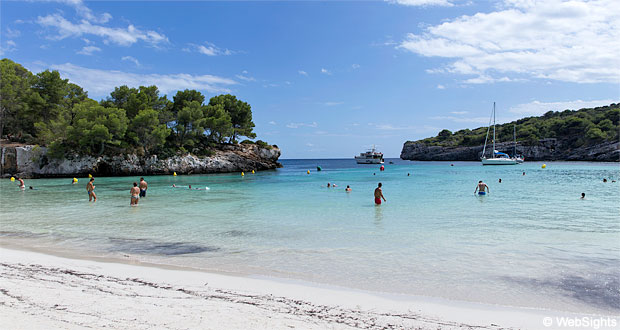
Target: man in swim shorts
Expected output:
[379,194]
[143,187]
[348,189]
[90,187]
[22,185]
[135,194]
[482,188]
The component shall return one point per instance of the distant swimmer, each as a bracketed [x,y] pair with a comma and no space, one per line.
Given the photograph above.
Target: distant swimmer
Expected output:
[348,189]
[482,188]
[90,188]
[612,181]
[379,194]
[190,186]
[334,185]
[604,180]
[135,194]
[408,174]
[174,185]
[523,173]
[500,180]
[143,187]
[22,185]
[31,188]
[451,164]
[583,195]
[329,185]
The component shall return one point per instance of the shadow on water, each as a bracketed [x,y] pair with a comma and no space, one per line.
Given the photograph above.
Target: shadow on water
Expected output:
[599,289]
[144,246]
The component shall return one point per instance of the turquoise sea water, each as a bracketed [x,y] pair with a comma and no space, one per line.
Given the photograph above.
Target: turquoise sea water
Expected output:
[531,242]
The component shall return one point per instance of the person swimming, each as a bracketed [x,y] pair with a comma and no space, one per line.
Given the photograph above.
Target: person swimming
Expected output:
[523,173]
[135,194]
[90,188]
[329,185]
[583,195]
[500,180]
[482,188]
[379,194]
[604,179]
[408,174]
[348,189]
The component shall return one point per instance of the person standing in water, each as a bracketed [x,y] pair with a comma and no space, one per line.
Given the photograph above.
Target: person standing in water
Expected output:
[482,188]
[583,195]
[379,194]
[143,187]
[348,189]
[90,187]
[22,185]
[135,194]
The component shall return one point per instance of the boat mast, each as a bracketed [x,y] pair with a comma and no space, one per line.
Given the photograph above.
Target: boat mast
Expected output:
[493,130]
[486,138]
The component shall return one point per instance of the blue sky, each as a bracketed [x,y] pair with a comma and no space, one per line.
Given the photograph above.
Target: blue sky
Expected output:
[329,79]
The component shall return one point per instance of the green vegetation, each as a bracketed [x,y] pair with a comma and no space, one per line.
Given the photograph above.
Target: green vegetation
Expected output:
[47,110]
[575,129]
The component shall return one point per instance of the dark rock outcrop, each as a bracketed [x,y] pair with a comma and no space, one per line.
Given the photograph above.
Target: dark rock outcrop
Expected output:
[32,161]
[548,149]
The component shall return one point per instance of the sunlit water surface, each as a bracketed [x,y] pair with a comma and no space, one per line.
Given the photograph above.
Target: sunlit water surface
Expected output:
[531,242]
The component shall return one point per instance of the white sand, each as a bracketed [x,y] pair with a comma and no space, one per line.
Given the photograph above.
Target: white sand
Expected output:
[39,291]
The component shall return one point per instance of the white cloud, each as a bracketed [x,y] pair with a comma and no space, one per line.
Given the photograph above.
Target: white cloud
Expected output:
[332,103]
[297,125]
[572,41]
[245,78]
[445,3]
[89,50]
[537,108]
[459,112]
[477,120]
[131,59]
[325,71]
[10,33]
[309,144]
[84,11]
[119,36]
[441,86]
[302,72]
[272,123]
[102,82]
[355,66]
[8,46]
[210,49]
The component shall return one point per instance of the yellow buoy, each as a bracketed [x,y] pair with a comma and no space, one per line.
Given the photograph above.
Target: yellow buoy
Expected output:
[174,174]
[12,179]
[90,175]
[252,171]
[242,174]
[75,180]
[544,166]
[308,172]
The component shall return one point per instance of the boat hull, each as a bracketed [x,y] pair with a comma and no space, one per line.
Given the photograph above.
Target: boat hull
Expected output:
[369,161]
[498,161]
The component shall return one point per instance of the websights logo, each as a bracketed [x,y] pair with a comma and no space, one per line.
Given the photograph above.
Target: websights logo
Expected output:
[586,322]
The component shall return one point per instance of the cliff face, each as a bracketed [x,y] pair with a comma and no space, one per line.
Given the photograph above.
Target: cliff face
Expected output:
[549,149]
[32,161]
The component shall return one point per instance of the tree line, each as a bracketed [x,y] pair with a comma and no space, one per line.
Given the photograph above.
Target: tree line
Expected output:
[47,110]
[575,128]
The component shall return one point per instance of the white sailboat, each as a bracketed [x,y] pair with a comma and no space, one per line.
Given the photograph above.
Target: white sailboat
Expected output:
[497,158]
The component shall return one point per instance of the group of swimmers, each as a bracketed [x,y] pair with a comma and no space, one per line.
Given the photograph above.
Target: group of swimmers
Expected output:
[136,192]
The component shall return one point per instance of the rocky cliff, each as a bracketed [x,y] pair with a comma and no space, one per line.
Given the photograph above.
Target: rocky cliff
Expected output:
[32,161]
[548,149]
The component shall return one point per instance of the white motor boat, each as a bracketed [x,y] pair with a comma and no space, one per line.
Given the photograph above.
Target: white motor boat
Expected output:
[371,156]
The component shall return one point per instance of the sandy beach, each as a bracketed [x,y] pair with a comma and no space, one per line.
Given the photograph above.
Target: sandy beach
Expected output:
[41,291]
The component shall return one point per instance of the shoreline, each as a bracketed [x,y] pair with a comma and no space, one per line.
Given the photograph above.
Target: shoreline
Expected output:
[45,290]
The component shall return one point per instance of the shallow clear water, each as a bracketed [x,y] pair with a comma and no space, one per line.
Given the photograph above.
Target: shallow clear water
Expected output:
[531,242]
